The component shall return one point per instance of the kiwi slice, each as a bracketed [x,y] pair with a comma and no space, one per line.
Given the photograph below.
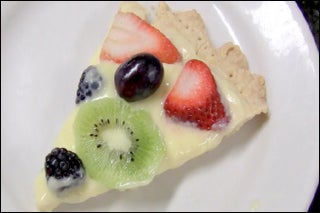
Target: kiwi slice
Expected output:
[120,147]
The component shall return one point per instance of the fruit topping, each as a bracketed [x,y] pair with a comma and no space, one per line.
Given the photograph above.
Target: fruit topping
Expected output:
[139,77]
[194,98]
[63,169]
[90,83]
[120,147]
[130,35]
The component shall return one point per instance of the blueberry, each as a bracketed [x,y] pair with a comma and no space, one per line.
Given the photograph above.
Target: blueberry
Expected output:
[139,77]
[90,82]
[63,169]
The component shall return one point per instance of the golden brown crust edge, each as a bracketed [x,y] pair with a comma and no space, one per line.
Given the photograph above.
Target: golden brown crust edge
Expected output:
[228,60]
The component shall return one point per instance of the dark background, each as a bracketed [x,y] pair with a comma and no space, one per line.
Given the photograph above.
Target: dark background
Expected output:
[310,10]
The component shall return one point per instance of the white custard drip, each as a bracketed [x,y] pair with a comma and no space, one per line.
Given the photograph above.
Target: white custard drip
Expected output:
[59,185]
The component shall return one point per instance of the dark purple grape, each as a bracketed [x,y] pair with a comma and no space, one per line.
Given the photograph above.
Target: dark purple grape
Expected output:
[139,77]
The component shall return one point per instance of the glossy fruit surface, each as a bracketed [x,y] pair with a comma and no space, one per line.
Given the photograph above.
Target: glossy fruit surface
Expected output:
[139,77]
[64,169]
[130,35]
[195,98]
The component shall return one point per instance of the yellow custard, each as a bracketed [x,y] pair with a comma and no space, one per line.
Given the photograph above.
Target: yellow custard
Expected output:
[183,142]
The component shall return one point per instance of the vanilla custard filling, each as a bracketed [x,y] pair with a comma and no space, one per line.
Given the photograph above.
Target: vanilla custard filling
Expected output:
[183,141]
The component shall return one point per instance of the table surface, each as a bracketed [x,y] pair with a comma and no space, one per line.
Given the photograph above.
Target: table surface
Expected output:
[310,10]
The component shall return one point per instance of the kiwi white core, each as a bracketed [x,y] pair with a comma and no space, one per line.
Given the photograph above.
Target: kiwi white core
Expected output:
[117,139]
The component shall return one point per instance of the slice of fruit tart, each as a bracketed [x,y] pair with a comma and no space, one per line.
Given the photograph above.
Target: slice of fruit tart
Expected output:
[156,95]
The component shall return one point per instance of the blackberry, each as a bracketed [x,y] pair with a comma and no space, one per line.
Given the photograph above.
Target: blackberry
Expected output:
[90,82]
[63,169]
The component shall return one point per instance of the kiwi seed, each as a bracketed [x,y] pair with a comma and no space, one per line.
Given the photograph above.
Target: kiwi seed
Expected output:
[121,154]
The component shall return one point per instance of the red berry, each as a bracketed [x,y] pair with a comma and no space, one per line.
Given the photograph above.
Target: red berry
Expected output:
[194,98]
[130,35]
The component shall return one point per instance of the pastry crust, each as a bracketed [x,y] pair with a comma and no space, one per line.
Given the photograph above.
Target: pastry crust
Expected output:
[228,60]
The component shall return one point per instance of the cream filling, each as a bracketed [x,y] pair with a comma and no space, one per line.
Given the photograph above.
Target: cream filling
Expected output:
[183,142]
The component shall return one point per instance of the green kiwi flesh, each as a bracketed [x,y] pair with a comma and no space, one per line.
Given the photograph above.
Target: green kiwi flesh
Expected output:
[118,168]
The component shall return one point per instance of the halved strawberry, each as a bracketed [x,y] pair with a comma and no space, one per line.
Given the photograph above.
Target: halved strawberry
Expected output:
[130,35]
[194,98]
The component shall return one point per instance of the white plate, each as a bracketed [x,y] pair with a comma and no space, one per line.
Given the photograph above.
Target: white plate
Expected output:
[272,164]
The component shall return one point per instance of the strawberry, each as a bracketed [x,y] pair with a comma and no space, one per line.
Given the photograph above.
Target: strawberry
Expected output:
[194,98]
[130,35]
